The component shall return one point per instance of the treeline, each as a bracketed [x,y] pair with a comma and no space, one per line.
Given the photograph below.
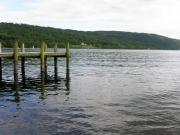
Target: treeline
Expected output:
[33,35]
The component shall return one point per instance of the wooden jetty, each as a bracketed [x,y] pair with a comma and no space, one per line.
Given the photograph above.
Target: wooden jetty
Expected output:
[43,54]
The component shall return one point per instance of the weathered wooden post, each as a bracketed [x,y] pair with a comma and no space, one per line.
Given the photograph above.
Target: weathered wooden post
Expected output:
[55,63]
[16,85]
[67,51]
[15,62]
[45,61]
[0,70]
[42,57]
[22,48]
[67,61]
[43,68]
[0,47]
[23,63]
[0,63]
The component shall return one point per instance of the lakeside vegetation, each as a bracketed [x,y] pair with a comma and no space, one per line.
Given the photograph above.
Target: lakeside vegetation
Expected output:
[82,46]
[32,36]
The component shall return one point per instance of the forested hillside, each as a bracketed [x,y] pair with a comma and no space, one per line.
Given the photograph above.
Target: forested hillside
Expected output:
[34,35]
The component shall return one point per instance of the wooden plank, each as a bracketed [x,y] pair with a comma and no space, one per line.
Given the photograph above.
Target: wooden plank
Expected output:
[6,55]
[33,54]
[30,55]
[53,54]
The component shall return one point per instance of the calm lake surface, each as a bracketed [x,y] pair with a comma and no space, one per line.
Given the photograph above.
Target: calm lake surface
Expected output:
[123,92]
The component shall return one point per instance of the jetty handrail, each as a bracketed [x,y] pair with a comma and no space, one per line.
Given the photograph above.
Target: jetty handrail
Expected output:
[23,49]
[9,50]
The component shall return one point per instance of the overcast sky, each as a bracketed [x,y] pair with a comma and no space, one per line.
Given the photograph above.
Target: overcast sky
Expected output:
[149,16]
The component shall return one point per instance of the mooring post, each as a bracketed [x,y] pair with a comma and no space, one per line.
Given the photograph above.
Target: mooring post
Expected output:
[22,48]
[0,63]
[0,47]
[16,85]
[43,68]
[42,57]
[67,61]
[15,62]
[45,61]
[67,51]
[0,70]
[55,63]
[23,63]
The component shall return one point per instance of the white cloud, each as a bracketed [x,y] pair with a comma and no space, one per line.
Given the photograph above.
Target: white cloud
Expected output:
[152,16]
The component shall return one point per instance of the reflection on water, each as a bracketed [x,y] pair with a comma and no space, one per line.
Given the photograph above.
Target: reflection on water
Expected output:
[43,85]
[134,92]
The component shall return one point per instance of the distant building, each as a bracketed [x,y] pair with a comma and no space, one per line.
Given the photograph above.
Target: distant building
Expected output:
[83,44]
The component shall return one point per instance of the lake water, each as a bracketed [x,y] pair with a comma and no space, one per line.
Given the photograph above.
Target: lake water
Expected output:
[123,92]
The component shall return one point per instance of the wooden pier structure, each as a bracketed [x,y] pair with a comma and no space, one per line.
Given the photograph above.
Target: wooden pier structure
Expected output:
[21,54]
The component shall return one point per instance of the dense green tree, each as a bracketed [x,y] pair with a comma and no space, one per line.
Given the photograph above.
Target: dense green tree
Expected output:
[32,36]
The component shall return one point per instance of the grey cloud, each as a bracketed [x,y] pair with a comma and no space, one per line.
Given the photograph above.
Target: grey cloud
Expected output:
[154,16]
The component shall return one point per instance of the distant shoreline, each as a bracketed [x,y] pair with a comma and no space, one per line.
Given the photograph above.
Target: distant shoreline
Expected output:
[33,36]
